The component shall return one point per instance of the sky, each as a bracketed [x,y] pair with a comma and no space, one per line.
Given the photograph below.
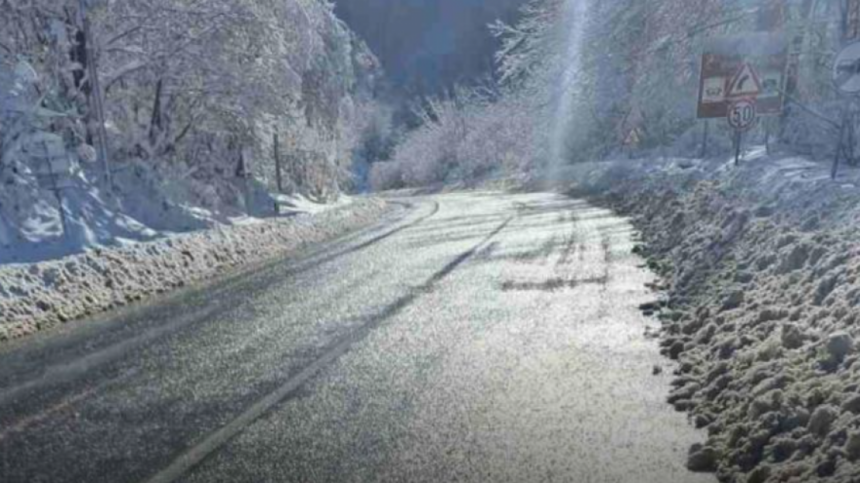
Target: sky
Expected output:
[429,45]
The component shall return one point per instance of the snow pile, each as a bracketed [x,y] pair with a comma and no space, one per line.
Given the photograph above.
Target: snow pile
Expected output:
[39,295]
[762,276]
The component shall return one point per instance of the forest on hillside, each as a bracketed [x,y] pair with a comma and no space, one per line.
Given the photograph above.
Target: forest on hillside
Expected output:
[577,77]
[168,107]
[177,115]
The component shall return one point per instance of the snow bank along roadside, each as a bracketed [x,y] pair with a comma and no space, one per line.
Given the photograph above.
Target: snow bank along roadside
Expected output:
[37,296]
[761,269]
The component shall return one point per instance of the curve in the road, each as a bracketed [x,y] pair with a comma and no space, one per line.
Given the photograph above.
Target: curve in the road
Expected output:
[65,371]
[216,440]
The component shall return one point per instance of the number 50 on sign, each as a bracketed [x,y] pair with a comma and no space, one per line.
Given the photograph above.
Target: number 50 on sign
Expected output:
[742,114]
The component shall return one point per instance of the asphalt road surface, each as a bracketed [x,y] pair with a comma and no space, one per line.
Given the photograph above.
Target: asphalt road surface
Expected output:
[477,337]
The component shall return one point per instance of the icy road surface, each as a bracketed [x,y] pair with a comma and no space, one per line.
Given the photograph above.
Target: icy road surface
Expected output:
[471,337]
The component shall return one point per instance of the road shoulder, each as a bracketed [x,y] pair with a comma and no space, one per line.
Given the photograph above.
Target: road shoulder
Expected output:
[39,296]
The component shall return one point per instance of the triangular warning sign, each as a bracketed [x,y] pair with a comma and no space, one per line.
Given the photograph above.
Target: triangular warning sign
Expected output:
[633,139]
[745,83]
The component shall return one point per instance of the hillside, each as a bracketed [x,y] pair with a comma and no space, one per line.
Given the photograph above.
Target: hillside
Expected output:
[193,101]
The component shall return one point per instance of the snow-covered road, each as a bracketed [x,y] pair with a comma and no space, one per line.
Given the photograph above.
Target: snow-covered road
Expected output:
[473,337]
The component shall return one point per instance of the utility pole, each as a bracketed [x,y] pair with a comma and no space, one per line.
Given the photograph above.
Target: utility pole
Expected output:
[278,174]
[97,97]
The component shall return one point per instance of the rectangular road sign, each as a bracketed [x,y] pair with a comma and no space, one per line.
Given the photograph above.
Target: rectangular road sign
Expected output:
[724,57]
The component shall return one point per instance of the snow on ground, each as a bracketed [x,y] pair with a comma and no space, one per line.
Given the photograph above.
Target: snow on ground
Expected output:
[298,204]
[35,296]
[762,280]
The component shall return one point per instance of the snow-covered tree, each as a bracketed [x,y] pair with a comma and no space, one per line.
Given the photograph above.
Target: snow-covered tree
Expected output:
[195,89]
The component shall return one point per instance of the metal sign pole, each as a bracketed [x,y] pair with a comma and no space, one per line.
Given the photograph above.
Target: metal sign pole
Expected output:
[840,147]
[742,116]
[738,140]
[767,148]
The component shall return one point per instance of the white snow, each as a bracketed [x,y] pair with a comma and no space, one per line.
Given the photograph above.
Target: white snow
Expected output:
[35,296]
[761,266]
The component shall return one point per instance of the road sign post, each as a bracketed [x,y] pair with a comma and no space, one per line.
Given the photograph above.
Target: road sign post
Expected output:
[705,135]
[737,143]
[742,117]
[742,114]
[742,77]
[735,66]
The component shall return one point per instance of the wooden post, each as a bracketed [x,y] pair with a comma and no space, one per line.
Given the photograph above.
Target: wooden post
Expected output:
[704,153]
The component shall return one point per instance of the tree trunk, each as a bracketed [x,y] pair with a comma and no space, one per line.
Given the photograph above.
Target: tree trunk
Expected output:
[155,124]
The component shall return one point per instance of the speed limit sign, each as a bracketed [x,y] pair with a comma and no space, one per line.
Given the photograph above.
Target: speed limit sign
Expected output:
[742,114]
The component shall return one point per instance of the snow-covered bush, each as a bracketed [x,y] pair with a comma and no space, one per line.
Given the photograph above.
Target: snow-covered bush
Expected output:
[463,137]
[28,124]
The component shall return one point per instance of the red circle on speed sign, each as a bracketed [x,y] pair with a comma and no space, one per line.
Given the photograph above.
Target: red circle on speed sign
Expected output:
[742,114]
